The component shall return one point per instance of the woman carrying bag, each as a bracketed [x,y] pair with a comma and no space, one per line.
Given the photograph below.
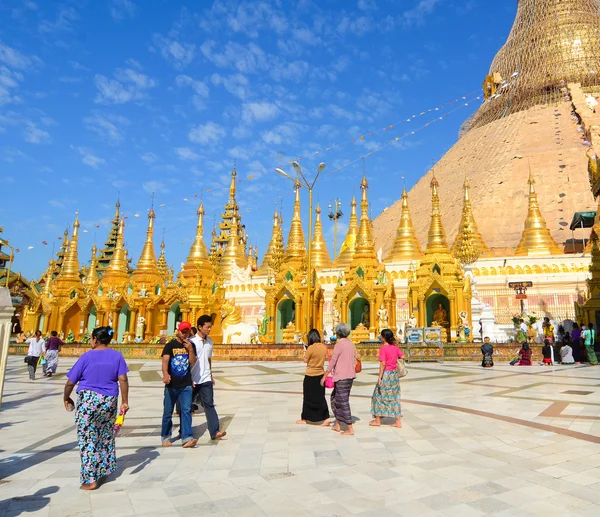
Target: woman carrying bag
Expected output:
[314,405]
[385,401]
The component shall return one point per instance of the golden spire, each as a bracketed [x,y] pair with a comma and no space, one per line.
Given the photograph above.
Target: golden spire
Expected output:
[91,278]
[436,238]
[70,266]
[320,258]
[469,226]
[198,251]
[406,245]
[162,266]
[48,278]
[147,261]
[118,262]
[536,238]
[233,254]
[365,243]
[349,245]
[296,248]
[266,262]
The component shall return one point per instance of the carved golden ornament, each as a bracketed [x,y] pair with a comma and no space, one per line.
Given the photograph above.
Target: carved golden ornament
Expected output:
[552,43]
[467,252]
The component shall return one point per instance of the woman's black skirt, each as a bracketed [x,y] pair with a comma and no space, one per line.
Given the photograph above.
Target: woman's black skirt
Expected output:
[314,406]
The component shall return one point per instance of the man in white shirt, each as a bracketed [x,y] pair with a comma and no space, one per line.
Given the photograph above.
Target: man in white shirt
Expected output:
[202,375]
[33,354]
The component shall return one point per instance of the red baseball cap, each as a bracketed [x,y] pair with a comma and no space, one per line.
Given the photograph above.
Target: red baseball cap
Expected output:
[185,325]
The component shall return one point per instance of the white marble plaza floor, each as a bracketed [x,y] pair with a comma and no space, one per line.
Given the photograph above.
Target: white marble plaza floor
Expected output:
[507,441]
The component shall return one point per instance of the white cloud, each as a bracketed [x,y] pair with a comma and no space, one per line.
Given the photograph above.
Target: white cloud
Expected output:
[88,157]
[177,53]
[149,158]
[249,59]
[108,127]
[155,187]
[209,133]
[306,36]
[128,85]
[13,58]
[367,5]
[63,22]
[282,134]
[236,84]
[258,111]
[9,81]
[200,88]
[35,135]
[419,12]
[186,154]
[121,9]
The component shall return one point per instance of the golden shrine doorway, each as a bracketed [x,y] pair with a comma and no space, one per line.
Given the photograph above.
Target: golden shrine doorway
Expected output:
[437,305]
[359,312]
[285,314]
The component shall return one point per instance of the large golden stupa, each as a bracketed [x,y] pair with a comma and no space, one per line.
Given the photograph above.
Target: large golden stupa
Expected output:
[528,122]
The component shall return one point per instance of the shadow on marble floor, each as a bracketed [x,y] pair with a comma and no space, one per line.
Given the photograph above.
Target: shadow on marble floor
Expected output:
[15,464]
[28,503]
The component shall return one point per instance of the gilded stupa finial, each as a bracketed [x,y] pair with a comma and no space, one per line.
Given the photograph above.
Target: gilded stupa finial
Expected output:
[436,238]
[147,261]
[161,265]
[296,247]
[118,262]
[275,234]
[233,256]
[536,238]
[349,245]
[406,245]
[70,265]
[320,258]
[468,231]
[91,278]
[365,243]
[198,251]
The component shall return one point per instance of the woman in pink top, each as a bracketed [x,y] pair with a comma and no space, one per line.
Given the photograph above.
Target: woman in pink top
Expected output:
[342,364]
[386,396]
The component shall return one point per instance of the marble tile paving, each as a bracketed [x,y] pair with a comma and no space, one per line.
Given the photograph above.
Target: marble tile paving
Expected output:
[507,441]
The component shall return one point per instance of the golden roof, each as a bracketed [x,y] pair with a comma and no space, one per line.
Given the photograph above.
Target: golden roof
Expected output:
[406,245]
[552,43]
[365,243]
[147,261]
[234,253]
[70,265]
[349,245]
[468,226]
[91,278]
[536,238]
[276,234]
[296,247]
[198,253]
[319,256]
[436,238]
[117,267]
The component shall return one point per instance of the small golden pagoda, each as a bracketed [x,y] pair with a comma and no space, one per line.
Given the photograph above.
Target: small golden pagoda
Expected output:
[295,253]
[231,225]
[406,245]
[320,258]
[276,240]
[106,253]
[364,297]
[468,224]
[536,239]
[347,250]
[438,292]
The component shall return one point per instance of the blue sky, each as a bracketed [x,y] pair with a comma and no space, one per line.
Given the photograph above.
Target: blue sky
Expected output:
[123,97]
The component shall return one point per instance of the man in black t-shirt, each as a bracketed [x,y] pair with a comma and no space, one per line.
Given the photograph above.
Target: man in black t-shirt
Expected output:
[178,357]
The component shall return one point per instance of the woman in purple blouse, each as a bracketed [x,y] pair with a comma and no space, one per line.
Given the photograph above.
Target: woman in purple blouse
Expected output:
[98,373]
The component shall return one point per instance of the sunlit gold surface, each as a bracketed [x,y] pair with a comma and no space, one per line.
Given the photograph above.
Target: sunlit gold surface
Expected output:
[552,42]
[319,255]
[349,244]
[406,245]
[91,279]
[276,235]
[436,237]
[468,231]
[365,244]
[117,266]
[295,251]
[536,238]
[147,261]
[70,266]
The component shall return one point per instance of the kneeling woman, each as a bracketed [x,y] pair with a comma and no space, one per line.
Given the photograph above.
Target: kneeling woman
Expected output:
[314,405]
[99,373]
[386,396]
